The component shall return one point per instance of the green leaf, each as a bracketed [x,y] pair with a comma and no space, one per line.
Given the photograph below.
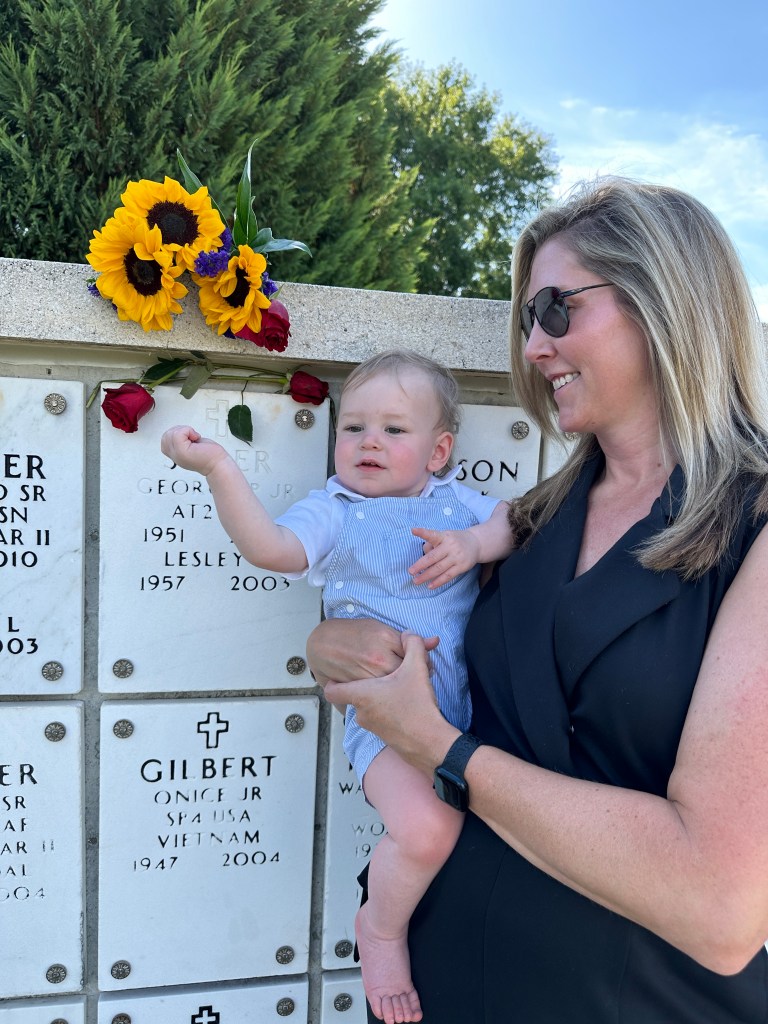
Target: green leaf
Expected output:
[196,377]
[262,238]
[166,369]
[192,183]
[284,244]
[245,228]
[240,423]
[266,242]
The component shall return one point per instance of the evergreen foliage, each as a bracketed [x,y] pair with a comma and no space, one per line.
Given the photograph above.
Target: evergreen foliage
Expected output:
[409,183]
[480,176]
[94,93]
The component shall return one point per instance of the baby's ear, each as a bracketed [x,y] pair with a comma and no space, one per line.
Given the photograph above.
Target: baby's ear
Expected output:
[441,452]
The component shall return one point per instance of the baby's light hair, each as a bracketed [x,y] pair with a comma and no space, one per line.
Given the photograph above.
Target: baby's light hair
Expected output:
[393,361]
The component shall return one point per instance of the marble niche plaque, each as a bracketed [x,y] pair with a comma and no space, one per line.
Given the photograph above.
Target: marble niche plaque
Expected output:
[264,1003]
[41,849]
[200,616]
[41,536]
[206,834]
[498,450]
[58,1011]
[343,999]
[354,829]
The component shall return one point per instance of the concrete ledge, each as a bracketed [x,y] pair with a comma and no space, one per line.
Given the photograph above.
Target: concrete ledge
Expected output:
[49,303]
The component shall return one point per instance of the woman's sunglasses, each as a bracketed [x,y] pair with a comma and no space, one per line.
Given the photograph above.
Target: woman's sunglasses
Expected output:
[549,308]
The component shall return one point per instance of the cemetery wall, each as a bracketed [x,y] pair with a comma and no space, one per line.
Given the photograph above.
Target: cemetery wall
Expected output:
[179,830]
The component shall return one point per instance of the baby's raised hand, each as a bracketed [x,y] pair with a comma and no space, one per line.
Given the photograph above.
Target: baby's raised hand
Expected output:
[190,450]
[448,553]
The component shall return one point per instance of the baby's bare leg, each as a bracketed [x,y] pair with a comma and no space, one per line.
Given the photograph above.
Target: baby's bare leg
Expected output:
[421,832]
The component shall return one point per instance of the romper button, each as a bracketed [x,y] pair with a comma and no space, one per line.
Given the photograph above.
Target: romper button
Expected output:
[360,515]
[447,511]
[339,584]
[350,607]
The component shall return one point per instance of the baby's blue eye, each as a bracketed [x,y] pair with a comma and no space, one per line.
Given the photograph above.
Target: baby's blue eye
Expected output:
[395,430]
[353,428]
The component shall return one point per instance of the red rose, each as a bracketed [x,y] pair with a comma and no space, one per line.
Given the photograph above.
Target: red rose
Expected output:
[303,387]
[124,406]
[275,329]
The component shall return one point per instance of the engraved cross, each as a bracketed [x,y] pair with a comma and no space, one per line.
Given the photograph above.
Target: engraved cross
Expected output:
[212,726]
[209,1018]
[218,414]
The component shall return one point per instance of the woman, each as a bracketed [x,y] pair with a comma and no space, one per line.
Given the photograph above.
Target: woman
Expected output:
[614,866]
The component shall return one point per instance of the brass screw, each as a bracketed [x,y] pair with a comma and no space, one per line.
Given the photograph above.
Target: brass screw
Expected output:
[55,404]
[120,969]
[304,419]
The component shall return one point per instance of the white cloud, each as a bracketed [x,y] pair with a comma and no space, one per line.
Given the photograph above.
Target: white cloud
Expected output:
[722,166]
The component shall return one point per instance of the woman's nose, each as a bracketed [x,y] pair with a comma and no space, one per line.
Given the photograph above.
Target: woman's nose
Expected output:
[539,345]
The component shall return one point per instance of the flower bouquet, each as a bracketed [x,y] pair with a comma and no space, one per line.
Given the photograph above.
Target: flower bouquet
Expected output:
[160,233]
[163,231]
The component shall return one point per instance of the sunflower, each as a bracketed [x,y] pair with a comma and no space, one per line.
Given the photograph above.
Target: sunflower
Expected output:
[234,299]
[188,222]
[136,271]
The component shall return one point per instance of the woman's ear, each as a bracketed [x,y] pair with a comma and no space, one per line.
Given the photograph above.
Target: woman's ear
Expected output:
[441,452]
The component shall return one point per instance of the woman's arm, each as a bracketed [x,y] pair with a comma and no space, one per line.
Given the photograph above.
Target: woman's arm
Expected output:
[693,867]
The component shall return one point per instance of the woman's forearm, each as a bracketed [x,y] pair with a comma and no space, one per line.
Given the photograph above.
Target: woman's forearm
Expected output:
[627,850]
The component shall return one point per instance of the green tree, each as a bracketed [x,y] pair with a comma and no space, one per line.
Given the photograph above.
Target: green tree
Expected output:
[480,176]
[94,93]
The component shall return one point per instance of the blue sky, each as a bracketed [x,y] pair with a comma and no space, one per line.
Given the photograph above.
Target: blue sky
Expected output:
[674,92]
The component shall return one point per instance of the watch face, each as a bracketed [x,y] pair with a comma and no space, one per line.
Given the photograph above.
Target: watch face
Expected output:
[451,789]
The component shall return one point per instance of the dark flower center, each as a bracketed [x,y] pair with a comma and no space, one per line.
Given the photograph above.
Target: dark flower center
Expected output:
[144,275]
[243,286]
[177,223]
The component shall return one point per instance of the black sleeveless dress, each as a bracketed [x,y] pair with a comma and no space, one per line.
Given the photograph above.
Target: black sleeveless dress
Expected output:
[590,677]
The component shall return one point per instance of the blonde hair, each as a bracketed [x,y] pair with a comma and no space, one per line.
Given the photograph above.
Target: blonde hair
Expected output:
[444,384]
[677,277]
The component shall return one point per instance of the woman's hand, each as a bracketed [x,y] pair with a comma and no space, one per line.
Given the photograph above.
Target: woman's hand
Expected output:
[401,707]
[347,649]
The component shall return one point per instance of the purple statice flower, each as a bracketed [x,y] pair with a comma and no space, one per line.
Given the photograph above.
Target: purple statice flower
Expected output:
[211,264]
[268,286]
[226,240]
[91,286]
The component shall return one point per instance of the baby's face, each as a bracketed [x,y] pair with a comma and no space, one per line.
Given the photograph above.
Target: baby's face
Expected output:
[388,440]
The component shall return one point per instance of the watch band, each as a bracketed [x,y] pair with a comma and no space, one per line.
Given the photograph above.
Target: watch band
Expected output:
[449,782]
[459,753]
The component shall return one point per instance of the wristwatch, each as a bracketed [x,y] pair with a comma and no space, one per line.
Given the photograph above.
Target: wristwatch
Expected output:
[450,784]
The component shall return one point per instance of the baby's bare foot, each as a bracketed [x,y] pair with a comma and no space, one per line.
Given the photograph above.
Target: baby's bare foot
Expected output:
[386,968]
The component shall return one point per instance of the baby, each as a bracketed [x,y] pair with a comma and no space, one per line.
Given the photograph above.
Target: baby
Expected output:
[363,539]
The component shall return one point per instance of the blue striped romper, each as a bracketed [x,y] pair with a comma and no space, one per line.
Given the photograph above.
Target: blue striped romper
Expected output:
[366,576]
